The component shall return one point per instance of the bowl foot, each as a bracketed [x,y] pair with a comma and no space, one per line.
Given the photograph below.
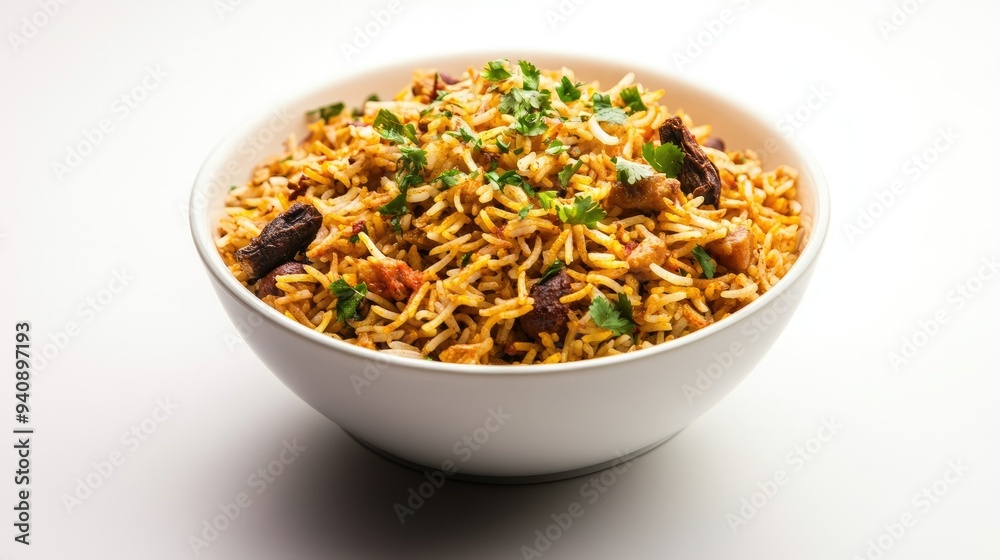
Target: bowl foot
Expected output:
[526,479]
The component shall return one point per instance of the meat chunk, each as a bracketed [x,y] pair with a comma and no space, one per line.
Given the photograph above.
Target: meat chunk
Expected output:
[735,250]
[268,285]
[390,278]
[280,240]
[651,250]
[698,176]
[646,194]
[549,314]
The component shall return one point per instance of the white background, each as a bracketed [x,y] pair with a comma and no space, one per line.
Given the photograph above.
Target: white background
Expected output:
[888,93]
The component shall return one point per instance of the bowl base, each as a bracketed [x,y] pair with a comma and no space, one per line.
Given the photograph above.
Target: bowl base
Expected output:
[525,479]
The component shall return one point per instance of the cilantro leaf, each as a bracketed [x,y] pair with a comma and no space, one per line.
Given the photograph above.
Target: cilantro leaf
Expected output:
[556,147]
[354,239]
[600,101]
[467,136]
[396,226]
[666,159]
[706,262]
[511,177]
[449,178]
[630,96]
[523,212]
[567,90]
[631,172]
[465,259]
[327,111]
[613,115]
[530,75]
[609,316]
[387,124]
[349,298]
[552,270]
[545,198]
[567,172]
[495,70]
[584,211]
[530,124]
[395,206]
[412,159]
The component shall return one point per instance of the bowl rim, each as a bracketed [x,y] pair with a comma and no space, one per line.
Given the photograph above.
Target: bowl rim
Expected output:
[204,242]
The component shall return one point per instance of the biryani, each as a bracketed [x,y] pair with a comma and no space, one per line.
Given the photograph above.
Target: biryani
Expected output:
[510,215]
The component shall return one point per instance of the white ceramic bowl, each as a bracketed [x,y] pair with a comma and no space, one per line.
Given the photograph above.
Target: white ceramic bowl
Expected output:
[522,423]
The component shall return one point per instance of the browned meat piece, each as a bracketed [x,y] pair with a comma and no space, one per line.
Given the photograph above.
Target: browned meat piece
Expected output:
[549,314]
[646,194]
[651,250]
[280,240]
[268,285]
[698,175]
[715,143]
[735,250]
[390,278]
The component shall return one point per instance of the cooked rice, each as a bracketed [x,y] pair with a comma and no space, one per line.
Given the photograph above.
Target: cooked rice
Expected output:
[473,309]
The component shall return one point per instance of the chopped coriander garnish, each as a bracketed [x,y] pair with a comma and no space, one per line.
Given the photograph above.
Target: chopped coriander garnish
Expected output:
[449,178]
[387,124]
[498,180]
[556,147]
[530,75]
[495,70]
[706,262]
[327,111]
[631,172]
[600,101]
[523,212]
[349,298]
[584,210]
[529,109]
[396,226]
[567,90]
[530,124]
[545,198]
[464,260]
[441,95]
[467,136]
[502,147]
[632,99]
[518,151]
[613,115]
[615,318]
[353,240]
[395,206]
[567,172]
[552,270]
[666,159]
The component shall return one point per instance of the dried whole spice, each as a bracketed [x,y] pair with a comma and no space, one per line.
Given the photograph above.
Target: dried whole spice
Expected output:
[698,175]
[280,240]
